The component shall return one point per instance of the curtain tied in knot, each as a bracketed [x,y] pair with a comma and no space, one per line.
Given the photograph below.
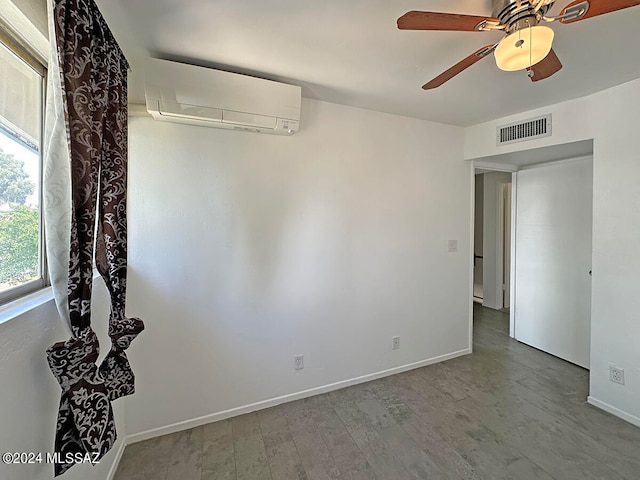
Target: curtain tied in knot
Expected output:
[115,368]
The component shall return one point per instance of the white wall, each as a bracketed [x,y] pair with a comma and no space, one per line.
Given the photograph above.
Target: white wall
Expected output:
[36,11]
[611,118]
[615,327]
[571,122]
[491,243]
[247,249]
[30,394]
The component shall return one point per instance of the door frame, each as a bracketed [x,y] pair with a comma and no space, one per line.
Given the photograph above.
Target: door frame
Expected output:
[512,270]
[501,245]
[491,167]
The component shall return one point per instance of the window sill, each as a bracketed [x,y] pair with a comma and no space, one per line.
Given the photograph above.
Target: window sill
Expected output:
[22,305]
[25,304]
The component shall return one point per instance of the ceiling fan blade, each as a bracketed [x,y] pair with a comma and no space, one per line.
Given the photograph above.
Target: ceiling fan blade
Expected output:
[598,7]
[415,20]
[459,67]
[545,68]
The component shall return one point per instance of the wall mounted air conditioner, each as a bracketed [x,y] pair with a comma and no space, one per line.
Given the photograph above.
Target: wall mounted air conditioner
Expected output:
[177,92]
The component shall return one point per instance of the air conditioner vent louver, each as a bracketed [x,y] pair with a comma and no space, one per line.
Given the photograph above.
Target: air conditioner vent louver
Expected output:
[528,130]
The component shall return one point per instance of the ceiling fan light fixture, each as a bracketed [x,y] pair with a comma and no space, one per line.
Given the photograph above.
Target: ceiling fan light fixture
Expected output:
[524,48]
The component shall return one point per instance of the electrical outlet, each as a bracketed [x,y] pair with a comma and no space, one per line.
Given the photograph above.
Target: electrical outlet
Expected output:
[616,375]
[452,245]
[298,362]
[395,345]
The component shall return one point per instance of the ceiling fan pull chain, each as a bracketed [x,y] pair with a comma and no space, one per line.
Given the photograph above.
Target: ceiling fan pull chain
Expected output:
[530,44]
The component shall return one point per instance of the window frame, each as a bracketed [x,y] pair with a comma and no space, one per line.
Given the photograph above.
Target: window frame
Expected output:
[12,42]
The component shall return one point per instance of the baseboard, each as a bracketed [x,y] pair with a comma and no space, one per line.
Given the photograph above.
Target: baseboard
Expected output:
[614,411]
[233,412]
[116,460]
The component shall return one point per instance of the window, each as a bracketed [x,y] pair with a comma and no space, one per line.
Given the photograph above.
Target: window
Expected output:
[22,259]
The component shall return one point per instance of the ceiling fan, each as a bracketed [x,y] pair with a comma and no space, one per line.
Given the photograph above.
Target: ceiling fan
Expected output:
[526,43]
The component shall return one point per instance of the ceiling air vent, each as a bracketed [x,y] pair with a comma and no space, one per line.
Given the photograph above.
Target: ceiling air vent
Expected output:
[528,130]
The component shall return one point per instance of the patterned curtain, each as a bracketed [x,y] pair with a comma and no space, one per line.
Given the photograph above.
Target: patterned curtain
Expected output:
[85,212]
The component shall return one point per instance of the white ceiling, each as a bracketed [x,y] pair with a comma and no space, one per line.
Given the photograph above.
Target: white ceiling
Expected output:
[351,52]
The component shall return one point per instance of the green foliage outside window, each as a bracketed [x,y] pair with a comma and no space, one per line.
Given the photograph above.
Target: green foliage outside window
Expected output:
[19,225]
[15,185]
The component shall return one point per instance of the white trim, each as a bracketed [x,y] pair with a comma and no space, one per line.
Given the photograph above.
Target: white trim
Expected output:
[138,110]
[495,167]
[24,304]
[514,224]
[26,31]
[232,412]
[31,301]
[613,410]
[499,285]
[116,460]
[472,252]
[557,162]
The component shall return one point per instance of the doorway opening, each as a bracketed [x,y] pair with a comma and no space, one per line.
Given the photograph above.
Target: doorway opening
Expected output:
[532,234]
[492,239]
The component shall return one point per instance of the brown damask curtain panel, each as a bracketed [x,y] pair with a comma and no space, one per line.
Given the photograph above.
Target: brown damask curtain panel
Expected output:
[93,77]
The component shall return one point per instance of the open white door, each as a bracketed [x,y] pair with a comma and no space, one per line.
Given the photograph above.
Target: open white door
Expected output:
[553,259]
